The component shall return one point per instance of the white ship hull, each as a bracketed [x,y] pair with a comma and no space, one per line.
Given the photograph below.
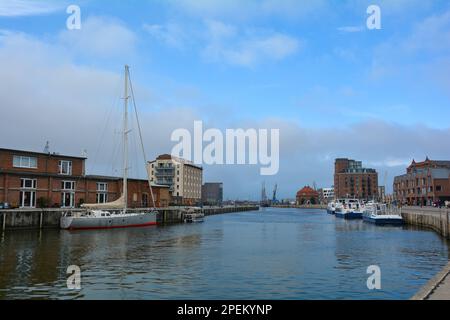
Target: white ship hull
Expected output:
[113,221]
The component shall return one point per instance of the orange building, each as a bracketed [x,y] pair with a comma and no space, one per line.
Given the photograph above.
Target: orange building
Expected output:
[307,195]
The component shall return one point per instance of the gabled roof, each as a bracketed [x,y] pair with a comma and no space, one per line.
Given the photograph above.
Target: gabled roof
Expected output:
[307,191]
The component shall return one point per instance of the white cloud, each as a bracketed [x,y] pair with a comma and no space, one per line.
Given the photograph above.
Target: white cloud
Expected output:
[251,9]
[251,50]
[351,29]
[171,34]
[430,35]
[100,36]
[220,42]
[16,8]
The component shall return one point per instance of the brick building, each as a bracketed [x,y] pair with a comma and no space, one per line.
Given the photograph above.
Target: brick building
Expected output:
[307,196]
[352,180]
[424,183]
[33,179]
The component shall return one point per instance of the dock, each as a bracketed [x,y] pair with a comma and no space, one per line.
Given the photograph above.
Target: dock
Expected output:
[38,219]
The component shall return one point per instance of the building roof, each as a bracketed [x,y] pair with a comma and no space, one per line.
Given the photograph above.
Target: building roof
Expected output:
[430,163]
[307,192]
[176,159]
[41,153]
[107,178]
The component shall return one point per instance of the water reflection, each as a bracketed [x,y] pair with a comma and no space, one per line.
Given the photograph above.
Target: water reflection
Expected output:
[275,254]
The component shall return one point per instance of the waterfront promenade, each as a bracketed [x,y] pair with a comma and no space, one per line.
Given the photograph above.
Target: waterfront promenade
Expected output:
[437,219]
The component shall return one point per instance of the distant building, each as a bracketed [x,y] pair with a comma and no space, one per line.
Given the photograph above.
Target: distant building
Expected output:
[307,195]
[326,195]
[352,180]
[41,180]
[424,183]
[382,194]
[212,193]
[182,177]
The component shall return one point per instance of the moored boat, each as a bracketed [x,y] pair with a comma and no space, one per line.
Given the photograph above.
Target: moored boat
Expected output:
[378,214]
[114,214]
[350,209]
[331,207]
[194,215]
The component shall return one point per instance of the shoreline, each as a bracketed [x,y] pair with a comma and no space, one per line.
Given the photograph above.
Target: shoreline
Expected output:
[41,219]
[438,220]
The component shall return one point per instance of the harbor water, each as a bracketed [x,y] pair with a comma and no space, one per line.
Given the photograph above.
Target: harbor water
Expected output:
[270,254]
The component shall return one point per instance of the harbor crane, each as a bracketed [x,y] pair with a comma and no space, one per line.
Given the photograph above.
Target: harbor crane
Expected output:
[274,197]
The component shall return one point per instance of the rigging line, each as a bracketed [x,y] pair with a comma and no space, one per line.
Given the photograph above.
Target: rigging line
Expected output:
[108,113]
[142,142]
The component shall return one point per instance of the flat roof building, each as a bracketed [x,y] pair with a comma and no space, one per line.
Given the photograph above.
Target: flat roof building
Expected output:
[351,179]
[212,193]
[183,178]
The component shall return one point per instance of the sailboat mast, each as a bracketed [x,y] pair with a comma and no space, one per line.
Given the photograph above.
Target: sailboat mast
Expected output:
[125,142]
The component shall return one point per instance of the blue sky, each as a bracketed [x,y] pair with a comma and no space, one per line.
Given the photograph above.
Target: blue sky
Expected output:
[311,68]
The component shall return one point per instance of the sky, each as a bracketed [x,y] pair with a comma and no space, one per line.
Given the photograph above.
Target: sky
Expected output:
[311,69]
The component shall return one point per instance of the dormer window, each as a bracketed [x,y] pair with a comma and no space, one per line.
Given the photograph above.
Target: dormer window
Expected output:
[65,167]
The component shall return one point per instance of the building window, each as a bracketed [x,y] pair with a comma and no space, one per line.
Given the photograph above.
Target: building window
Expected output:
[25,162]
[102,192]
[438,188]
[102,198]
[68,194]
[65,167]
[102,187]
[68,185]
[28,193]
[144,200]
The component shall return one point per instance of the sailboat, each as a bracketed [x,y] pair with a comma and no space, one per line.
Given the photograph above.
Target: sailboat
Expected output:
[114,214]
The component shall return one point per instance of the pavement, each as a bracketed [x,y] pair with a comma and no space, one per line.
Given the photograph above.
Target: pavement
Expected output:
[437,288]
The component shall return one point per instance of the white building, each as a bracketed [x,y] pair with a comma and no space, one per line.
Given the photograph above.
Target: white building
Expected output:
[183,177]
[327,195]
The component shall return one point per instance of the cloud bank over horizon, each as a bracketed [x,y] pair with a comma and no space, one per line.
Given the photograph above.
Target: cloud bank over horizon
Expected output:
[328,101]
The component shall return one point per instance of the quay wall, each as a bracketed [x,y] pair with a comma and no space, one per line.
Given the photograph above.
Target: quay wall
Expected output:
[437,220]
[49,218]
[427,217]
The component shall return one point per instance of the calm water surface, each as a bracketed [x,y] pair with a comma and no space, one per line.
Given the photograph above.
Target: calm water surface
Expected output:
[272,254]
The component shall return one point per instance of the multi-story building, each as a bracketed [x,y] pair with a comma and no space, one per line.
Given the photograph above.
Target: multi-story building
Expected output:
[424,183]
[352,180]
[382,194]
[212,193]
[326,195]
[32,179]
[182,177]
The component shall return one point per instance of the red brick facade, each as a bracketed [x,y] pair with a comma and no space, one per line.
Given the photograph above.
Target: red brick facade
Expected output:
[352,180]
[30,179]
[424,183]
[307,195]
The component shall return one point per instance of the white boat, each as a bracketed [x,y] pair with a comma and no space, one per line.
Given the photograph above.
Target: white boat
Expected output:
[378,214]
[331,207]
[350,209]
[114,214]
[194,216]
